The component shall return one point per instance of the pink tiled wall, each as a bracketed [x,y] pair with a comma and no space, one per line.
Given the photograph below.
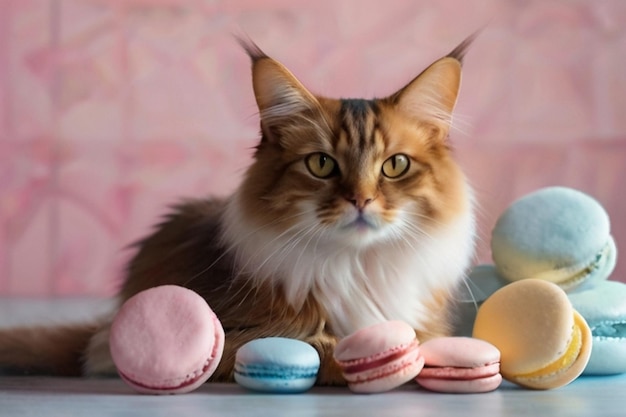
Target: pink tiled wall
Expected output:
[112,109]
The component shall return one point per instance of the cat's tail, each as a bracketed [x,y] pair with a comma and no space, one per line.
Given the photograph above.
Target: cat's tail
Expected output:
[45,350]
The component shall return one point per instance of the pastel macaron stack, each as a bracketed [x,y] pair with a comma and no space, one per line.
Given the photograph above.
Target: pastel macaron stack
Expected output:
[276,365]
[460,365]
[380,357]
[544,343]
[166,340]
[556,234]
[563,236]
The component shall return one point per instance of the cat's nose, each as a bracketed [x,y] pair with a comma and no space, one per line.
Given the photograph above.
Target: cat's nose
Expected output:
[359,201]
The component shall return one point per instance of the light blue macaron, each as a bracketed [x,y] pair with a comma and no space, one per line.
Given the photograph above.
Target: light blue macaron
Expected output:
[604,309]
[277,365]
[482,281]
[557,234]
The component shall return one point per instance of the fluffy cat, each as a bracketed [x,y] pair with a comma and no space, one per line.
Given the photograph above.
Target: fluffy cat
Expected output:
[352,212]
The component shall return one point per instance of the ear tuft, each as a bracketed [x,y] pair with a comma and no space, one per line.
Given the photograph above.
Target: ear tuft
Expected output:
[458,53]
[252,49]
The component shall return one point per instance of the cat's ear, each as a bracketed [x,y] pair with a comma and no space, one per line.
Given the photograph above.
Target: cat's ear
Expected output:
[432,95]
[279,94]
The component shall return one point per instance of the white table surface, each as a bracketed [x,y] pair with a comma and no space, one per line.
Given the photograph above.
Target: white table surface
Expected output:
[44,396]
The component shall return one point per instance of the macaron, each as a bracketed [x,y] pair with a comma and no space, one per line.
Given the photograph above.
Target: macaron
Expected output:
[557,234]
[460,365]
[604,309]
[380,357]
[482,281]
[166,340]
[543,342]
[277,365]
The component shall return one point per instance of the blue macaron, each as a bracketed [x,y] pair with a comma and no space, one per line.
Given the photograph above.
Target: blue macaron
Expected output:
[277,365]
[557,234]
[604,309]
[482,281]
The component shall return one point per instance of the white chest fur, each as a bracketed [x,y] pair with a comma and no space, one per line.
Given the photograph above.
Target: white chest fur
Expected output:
[387,280]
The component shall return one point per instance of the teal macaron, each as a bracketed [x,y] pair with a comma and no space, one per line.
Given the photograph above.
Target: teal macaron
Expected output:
[604,308]
[557,234]
[276,365]
[482,281]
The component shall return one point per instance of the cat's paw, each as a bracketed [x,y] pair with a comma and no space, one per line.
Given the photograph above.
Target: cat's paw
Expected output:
[329,373]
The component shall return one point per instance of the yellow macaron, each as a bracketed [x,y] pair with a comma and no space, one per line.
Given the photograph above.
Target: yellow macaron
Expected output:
[544,342]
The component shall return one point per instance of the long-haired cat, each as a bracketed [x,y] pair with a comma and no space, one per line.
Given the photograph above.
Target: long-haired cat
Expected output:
[353,212]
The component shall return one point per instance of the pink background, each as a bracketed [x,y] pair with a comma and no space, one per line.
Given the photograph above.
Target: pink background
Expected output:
[112,109]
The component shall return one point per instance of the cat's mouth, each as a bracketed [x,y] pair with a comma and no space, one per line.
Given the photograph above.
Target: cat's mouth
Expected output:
[362,223]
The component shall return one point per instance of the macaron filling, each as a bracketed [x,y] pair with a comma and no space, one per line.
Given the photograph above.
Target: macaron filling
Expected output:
[276,372]
[566,360]
[389,362]
[609,329]
[459,373]
[570,277]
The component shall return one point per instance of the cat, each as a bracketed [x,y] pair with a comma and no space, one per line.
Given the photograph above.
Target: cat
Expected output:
[352,212]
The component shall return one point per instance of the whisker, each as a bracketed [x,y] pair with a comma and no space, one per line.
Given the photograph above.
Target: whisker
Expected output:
[420,215]
[277,250]
[311,232]
[415,229]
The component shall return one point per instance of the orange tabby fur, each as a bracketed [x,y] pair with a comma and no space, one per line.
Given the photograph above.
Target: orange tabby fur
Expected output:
[294,255]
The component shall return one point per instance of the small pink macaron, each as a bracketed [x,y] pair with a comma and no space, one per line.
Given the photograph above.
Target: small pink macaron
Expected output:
[460,365]
[379,358]
[166,340]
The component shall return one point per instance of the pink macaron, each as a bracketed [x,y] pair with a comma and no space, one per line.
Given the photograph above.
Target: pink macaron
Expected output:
[166,340]
[460,365]
[380,357]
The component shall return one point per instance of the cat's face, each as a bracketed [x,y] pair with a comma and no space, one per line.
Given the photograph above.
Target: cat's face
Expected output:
[354,171]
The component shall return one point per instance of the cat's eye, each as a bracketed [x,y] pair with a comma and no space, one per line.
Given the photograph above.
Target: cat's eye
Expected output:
[396,166]
[321,165]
